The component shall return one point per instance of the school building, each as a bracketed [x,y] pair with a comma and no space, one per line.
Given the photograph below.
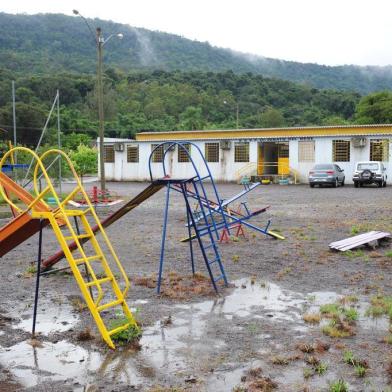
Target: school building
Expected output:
[273,153]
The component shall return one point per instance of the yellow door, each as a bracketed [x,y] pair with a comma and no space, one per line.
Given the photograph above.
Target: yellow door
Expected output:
[283,166]
[260,166]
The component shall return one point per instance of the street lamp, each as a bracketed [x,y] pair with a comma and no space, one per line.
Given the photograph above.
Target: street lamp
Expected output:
[100,42]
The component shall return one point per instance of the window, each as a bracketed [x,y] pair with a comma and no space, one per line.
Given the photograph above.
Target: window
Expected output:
[212,152]
[158,153]
[340,150]
[306,151]
[379,150]
[108,154]
[283,150]
[132,154]
[182,155]
[241,152]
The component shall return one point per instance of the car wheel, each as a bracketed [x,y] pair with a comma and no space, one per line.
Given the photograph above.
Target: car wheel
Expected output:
[342,183]
[361,185]
[311,185]
[336,183]
[379,184]
[384,184]
[356,184]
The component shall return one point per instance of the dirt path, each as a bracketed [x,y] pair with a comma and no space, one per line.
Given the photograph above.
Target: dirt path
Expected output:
[202,342]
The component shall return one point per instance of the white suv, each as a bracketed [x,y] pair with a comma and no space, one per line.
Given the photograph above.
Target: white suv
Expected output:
[370,172]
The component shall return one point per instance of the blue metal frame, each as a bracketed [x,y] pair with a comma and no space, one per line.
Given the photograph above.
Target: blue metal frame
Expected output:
[210,225]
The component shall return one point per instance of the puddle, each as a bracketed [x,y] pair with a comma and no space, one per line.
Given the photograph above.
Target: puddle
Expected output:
[170,353]
[52,316]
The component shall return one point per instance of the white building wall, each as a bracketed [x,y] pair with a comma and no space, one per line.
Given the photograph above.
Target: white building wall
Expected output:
[226,169]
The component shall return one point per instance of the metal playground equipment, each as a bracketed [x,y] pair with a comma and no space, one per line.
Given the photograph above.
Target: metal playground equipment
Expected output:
[100,288]
[209,215]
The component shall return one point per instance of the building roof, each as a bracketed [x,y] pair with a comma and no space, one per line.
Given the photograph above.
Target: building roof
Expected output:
[268,133]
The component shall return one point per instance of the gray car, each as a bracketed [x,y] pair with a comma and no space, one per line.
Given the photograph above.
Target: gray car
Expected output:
[326,173]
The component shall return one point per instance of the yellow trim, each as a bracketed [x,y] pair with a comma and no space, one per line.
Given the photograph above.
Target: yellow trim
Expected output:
[341,131]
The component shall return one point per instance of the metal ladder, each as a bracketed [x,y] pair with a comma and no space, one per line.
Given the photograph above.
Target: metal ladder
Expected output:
[106,284]
[204,227]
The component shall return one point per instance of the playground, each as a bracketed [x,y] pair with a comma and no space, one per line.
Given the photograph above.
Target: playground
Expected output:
[251,335]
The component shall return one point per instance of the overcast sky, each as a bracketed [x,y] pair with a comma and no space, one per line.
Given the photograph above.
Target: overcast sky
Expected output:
[329,32]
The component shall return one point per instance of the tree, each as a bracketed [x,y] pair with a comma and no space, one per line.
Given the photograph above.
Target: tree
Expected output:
[84,159]
[191,119]
[375,109]
[272,118]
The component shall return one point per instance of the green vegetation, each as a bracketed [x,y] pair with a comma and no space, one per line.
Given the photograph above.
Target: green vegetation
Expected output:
[342,320]
[338,386]
[380,306]
[126,336]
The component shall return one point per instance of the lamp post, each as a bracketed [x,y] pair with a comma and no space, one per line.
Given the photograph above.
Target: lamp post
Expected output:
[100,41]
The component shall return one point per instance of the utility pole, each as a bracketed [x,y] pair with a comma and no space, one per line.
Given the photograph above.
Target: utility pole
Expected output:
[101,130]
[100,41]
[238,115]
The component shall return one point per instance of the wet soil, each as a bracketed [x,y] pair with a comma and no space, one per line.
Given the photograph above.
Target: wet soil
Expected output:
[194,340]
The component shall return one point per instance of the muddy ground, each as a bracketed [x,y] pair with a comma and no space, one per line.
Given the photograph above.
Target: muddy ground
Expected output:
[250,337]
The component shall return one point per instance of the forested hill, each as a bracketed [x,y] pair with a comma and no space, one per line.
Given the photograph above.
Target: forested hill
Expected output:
[52,43]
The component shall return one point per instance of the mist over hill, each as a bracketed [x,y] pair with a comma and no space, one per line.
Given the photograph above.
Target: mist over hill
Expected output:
[53,43]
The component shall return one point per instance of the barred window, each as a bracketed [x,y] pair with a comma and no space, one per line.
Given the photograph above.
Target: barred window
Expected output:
[241,152]
[340,150]
[306,151]
[182,155]
[212,152]
[132,154]
[108,154]
[157,156]
[379,150]
[283,151]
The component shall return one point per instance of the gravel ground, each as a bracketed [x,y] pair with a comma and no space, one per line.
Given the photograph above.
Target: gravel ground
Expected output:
[199,341]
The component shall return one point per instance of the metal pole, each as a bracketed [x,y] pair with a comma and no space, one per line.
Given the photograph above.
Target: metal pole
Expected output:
[14,114]
[59,140]
[101,131]
[161,259]
[41,225]
[238,112]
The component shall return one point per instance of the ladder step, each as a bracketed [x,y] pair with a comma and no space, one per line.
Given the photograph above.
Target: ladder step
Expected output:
[80,236]
[218,278]
[213,245]
[70,213]
[98,281]
[120,328]
[110,304]
[212,261]
[87,259]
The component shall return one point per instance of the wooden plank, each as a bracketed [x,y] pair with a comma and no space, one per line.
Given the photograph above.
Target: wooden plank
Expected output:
[361,239]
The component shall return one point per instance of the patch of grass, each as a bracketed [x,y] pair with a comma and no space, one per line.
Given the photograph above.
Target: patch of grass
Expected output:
[338,386]
[350,314]
[355,229]
[352,254]
[388,254]
[278,360]
[235,258]
[308,372]
[348,357]
[330,310]
[360,370]
[338,329]
[311,318]
[321,368]
[380,305]
[128,335]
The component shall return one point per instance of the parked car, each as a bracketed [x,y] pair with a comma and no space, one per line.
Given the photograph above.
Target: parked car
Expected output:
[326,173]
[370,172]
